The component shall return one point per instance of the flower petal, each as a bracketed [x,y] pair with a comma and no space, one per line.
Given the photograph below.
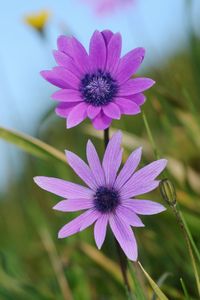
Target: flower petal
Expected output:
[64,44]
[143,180]
[97,54]
[63,109]
[91,218]
[139,99]
[81,169]
[127,107]
[63,188]
[80,55]
[75,225]
[95,164]
[61,77]
[114,52]
[128,216]
[77,115]
[107,34]
[112,158]
[67,95]
[128,168]
[144,207]
[73,205]
[129,64]
[124,236]
[128,191]
[111,110]
[101,121]
[54,78]
[135,86]
[93,111]
[100,230]
[67,62]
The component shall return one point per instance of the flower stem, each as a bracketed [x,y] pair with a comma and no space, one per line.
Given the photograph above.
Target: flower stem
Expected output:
[151,139]
[121,256]
[173,205]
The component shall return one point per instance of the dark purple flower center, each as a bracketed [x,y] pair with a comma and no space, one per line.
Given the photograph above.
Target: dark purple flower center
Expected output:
[98,88]
[106,199]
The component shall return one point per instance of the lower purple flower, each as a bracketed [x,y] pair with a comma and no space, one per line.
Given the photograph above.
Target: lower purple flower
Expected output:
[107,199]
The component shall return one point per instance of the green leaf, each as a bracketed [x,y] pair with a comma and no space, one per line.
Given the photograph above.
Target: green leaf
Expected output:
[138,291]
[154,286]
[31,145]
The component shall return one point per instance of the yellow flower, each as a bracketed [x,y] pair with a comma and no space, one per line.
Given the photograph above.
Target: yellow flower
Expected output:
[38,20]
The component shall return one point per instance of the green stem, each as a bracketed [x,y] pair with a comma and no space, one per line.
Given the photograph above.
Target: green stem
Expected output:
[122,257]
[175,209]
[151,139]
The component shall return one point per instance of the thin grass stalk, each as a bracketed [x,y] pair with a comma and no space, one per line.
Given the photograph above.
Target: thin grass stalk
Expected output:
[173,205]
[56,264]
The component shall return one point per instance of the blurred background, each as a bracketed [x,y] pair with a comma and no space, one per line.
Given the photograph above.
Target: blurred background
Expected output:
[33,263]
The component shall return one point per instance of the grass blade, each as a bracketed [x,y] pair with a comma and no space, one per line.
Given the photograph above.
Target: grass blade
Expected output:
[31,145]
[184,289]
[154,286]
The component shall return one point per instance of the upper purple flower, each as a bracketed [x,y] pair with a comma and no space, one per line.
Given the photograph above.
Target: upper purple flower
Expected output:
[98,85]
[107,199]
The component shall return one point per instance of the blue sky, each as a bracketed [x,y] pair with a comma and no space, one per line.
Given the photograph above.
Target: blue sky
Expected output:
[157,25]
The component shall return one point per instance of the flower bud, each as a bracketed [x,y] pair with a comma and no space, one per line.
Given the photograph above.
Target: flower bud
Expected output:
[168,191]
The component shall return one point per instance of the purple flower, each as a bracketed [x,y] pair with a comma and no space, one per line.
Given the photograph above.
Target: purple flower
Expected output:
[107,199]
[99,85]
[105,6]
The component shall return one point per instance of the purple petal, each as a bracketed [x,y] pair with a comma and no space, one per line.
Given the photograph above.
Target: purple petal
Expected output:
[63,188]
[101,121]
[100,230]
[93,111]
[95,164]
[128,216]
[144,207]
[63,109]
[139,99]
[127,107]
[73,205]
[77,115]
[91,218]
[97,51]
[67,95]
[54,78]
[64,44]
[111,110]
[107,34]
[143,180]
[129,64]
[81,169]
[66,61]
[149,172]
[124,236]
[114,52]
[129,168]
[128,191]
[135,86]
[61,77]
[75,225]
[112,158]
[80,55]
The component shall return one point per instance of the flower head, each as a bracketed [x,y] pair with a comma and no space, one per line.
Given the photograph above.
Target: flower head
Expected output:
[99,85]
[102,7]
[38,21]
[107,199]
